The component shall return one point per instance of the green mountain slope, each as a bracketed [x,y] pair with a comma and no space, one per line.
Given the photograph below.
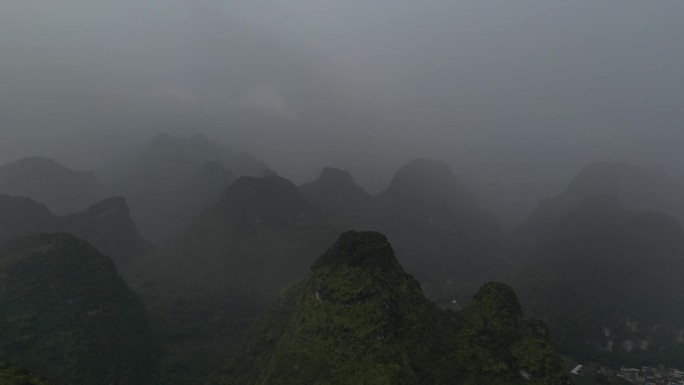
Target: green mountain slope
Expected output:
[607,280]
[68,316]
[360,319]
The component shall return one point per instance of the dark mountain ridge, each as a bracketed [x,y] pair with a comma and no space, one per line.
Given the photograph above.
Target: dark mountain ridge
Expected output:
[107,225]
[440,233]
[69,317]
[607,280]
[360,319]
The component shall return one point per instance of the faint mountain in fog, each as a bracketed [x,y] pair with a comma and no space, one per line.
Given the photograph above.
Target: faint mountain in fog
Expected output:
[174,178]
[234,258]
[359,304]
[342,200]
[440,233]
[69,317]
[107,225]
[635,187]
[63,190]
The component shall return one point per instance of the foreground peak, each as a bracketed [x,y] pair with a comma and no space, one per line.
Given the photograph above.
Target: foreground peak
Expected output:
[359,249]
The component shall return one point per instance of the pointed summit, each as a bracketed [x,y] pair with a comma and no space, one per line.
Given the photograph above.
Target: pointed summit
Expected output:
[360,319]
[440,233]
[107,225]
[358,250]
[429,182]
[341,199]
[336,176]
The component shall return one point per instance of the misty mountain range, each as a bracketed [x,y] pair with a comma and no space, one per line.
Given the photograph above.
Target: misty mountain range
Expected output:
[212,238]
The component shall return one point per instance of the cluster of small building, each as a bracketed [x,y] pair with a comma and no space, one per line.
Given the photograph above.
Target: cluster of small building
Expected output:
[646,375]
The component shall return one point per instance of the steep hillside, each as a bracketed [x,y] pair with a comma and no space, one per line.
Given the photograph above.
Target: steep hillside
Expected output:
[232,260]
[69,317]
[360,319]
[607,280]
[108,226]
[440,233]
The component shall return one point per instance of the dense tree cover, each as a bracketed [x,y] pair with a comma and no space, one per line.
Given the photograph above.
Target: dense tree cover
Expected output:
[68,316]
[607,280]
[360,319]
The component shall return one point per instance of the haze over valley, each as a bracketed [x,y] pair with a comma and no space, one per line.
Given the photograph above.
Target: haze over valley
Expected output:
[341,192]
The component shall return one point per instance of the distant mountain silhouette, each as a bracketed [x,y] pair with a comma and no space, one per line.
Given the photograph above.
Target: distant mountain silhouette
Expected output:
[173,179]
[635,187]
[63,190]
[68,316]
[360,319]
[107,225]
[440,233]
[233,259]
[342,200]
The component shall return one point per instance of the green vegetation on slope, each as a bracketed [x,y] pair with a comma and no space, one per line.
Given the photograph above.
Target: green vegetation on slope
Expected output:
[68,316]
[608,283]
[360,319]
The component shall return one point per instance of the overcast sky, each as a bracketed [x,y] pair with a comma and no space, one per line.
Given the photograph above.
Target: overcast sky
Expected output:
[358,83]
